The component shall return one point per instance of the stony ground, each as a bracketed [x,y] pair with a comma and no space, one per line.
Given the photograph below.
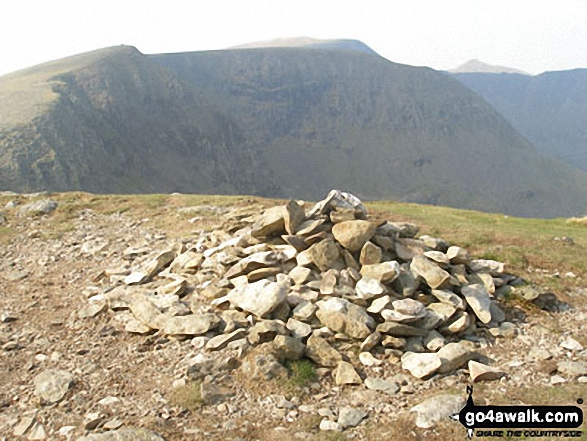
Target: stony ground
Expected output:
[118,379]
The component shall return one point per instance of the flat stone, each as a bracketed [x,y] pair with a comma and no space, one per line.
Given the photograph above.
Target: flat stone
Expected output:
[346,374]
[486,266]
[221,341]
[294,215]
[269,223]
[453,356]
[371,341]
[353,234]
[52,385]
[571,344]
[481,372]
[193,324]
[384,272]
[379,384]
[300,274]
[573,368]
[400,330]
[36,208]
[438,257]
[458,255]
[26,422]
[327,424]
[449,298]
[298,329]
[321,352]
[350,417]
[429,271]
[368,288]
[437,409]
[421,365]
[479,300]
[259,298]
[37,432]
[367,359]
[379,305]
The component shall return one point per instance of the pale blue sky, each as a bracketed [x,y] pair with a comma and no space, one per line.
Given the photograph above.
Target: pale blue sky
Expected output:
[531,35]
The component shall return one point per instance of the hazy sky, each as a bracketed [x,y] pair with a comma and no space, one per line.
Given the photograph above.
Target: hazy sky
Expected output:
[531,35]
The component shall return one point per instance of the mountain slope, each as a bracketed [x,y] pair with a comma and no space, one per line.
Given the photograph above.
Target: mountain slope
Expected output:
[477,66]
[328,118]
[549,109]
[113,121]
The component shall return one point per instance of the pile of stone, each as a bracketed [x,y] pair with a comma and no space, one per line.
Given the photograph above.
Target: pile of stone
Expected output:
[319,282]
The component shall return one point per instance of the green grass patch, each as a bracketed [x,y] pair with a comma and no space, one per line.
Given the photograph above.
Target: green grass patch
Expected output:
[189,396]
[301,373]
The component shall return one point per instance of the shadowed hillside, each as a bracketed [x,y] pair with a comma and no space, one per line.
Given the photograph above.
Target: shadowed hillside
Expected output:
[113,121]
[329,119]
[549,109]
[284,122]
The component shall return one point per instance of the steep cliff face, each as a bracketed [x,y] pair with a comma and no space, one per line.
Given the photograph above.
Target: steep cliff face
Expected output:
[121,123]
[327,118]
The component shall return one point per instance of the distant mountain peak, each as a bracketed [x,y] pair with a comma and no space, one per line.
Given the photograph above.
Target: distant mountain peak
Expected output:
[478,66]
[310,43]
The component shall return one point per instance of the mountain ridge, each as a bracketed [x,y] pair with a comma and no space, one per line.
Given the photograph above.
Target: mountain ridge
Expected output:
[281,122]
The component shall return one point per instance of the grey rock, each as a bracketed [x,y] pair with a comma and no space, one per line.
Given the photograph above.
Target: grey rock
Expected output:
[458,256]
[52,385]
[269,223]
[44,206]
[259,298]
[325,255]
[288,348]
[421,365]
[221,341]
[437,409]
[486,266]
[321,352]
[478,299]
[400,330]
[298,329]
[193,324]
[265,331]
[429,271]
[455,355]
[449,298]
[379,384]
[384,272]
[327,424]
[350,417]
[368,288]
[573,368]
[294,215]
[370,254]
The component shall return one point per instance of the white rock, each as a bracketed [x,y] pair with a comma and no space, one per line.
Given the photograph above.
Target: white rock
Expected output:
[478,299]
[437,409]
